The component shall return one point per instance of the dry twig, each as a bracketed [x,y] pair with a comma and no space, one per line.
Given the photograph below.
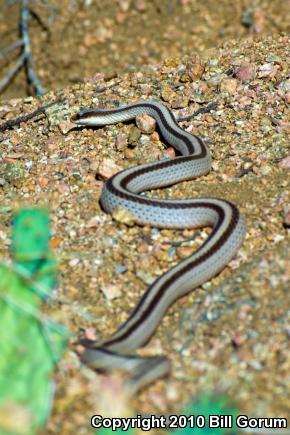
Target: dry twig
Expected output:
[210,106]
[24,118]
[25,59]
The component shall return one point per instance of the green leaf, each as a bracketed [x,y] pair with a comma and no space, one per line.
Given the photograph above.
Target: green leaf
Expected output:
[30,344]
[30,246]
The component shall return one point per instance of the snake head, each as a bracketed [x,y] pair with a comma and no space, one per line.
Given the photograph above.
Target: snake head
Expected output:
[83,117]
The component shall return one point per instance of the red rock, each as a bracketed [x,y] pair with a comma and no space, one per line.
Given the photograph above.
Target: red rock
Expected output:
[245,101]
[285,163]
[170,152]
[90,333]
[146,123]
[108,168]
[245,72]
[121,141]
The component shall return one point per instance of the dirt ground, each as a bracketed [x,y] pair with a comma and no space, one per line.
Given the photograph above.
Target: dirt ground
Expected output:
[74,40]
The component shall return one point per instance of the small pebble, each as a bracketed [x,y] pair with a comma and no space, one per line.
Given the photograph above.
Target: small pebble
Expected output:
[229,85]
[42,182]
[196,72]
[90,333]
[170,153]
[268,70]
[285,163]
[184,251]
[121,141]
[134,135]
[121,268]
[123,216]
[129,154]
[244,101]
[108,168]
[146,123]
[245,72]
[95,221]
[179,102]
[74,262]
[66,126]
[111,291]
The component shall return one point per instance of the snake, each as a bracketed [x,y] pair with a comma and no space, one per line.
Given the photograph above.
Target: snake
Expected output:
[125,190]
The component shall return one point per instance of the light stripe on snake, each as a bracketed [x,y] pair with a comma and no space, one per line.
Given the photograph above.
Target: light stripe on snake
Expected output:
[123,190]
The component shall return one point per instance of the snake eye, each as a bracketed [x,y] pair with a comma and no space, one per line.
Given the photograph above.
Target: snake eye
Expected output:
[75,117]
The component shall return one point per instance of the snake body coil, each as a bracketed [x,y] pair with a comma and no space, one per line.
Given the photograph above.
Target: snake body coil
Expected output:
[123,190]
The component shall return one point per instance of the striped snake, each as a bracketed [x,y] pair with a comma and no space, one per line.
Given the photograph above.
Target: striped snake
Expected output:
[123,190]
